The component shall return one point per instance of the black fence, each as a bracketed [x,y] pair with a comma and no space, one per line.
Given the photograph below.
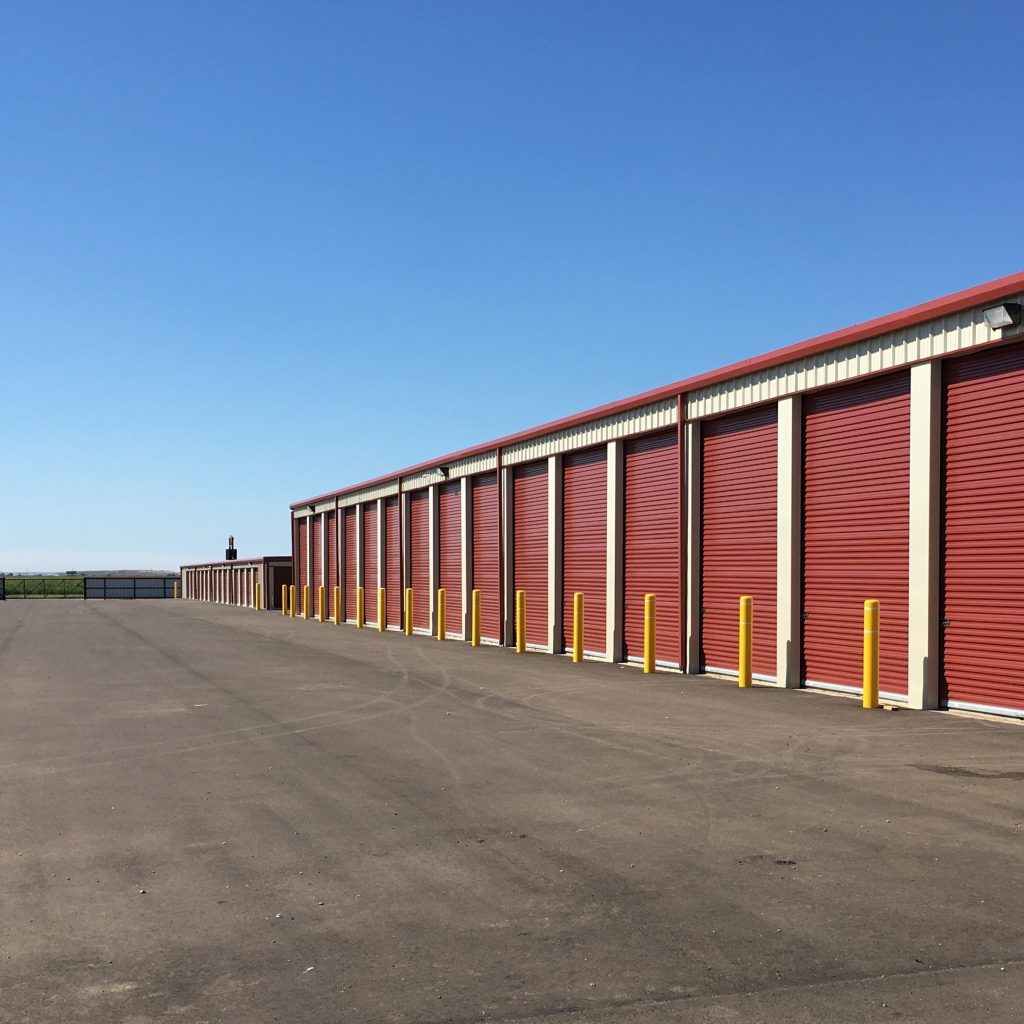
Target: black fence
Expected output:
[129,588]
[90,588]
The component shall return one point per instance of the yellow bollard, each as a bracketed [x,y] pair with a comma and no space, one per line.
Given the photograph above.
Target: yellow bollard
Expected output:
[442,614]
[382,610]
[337,606]
[307,602]
[175,591]
[577,627]
[650,611]
[520,621]
[284,598]
[360,608]
[474,625]
[746,638]
[871,616]
[291,601]
[321,596]
[259,595]
[408,611]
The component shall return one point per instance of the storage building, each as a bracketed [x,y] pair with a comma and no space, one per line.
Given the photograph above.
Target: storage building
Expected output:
[881,461]
[235,582]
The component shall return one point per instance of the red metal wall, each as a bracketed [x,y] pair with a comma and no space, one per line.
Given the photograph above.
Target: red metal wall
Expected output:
[371,567]
[530,553]
[332,559]
[652,562]
[585,545]
[393,561]
[487,554]
[856,529]
[450,554]
[318,561]
[983,546]
[351,578]
[419,522]
[739,473]
[303,535]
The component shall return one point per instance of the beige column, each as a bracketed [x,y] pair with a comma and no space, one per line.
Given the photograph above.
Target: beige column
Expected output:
[508,505]
[925,535]
[692,466]
[616,550]
[555,553]
[360,552]
[435,553]
[789,546]
[467,554]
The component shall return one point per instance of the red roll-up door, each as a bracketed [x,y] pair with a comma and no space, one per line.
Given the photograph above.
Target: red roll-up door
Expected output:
[739,540]
[371,565]
[856,530]
[487,554]
[530,554]
[652,564]
[450,554]
[983,546]
[419,574]
[585,546]
[303,557]
[351,577]
[393,561]
[318,560]
[332,559]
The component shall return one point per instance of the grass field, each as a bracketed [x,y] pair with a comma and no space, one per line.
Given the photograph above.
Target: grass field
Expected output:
[44,586]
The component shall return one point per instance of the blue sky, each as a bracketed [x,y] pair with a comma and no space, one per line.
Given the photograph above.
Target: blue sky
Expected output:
[257,251]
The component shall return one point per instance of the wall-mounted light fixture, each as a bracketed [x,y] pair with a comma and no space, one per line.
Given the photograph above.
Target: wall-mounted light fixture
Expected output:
[312,508]
[1006,315]
[443,470]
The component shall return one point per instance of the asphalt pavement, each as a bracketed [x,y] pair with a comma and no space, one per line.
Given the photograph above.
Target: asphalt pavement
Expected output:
[209,814]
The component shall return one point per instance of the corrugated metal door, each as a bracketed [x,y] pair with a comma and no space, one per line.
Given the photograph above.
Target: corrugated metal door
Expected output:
[856,530]
[652,564]
[303,558]
[419,570]
[739,478]
[332,559]
[983,546]
[351,565]
[393,561]
[530,553]
[487,554]
[585,546]
[371,567]
[318,561]
[450,554]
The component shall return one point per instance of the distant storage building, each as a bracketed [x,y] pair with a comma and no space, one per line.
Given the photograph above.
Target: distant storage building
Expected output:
[234,582]
[881,461]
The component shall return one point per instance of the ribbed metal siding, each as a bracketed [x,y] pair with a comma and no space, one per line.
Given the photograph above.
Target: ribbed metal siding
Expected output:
[585,546]
[739,476]
[487,554]
[652,562]
[419,574]
[983,546]
[450,555]
[351,577]
[530,556]
[856,530]
[393,561]
[318,561]
[371,567]
[332,559]
[303,533]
